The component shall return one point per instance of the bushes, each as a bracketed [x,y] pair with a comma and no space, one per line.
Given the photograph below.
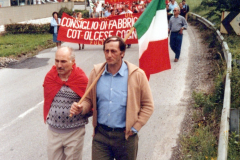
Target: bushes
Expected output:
[27,28]
[39,28]
[234,147]
[66,10]
[85,13]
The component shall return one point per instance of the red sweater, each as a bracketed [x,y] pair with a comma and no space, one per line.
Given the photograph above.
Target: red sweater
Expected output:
[77,81]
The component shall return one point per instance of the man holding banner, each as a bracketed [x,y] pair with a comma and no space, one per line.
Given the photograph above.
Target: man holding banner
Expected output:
[121,102]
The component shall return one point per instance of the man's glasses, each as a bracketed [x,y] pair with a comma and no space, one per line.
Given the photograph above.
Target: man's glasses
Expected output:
[174,10]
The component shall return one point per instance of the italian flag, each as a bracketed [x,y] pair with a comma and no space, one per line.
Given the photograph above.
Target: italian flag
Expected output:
[152,32]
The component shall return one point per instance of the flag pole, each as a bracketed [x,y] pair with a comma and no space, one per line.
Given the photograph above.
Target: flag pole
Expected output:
[129,33]
[90,88]
[99,75]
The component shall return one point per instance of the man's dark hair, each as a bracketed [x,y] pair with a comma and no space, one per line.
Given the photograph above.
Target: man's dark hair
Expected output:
[183,0]
[54,13]
[122,45]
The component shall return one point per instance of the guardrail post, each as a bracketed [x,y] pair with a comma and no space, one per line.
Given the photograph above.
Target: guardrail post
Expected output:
[234,120]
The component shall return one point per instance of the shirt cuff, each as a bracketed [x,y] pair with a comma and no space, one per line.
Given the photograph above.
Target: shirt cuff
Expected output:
[134,130]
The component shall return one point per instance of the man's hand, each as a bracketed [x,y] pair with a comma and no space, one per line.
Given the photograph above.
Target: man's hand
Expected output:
[76,108]
[132,133]
[181,31]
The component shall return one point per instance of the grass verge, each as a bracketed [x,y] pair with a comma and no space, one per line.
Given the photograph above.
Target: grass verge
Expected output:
[201,141]
[16,45]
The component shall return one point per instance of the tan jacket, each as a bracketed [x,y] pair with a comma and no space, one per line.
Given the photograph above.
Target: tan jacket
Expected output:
[139,99]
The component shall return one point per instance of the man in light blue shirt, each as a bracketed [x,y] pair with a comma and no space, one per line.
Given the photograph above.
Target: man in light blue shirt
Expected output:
[121,102]
[173,4]
[107,12]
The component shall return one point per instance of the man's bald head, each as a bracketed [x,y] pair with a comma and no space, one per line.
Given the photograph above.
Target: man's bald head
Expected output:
[66,50]
[64,61]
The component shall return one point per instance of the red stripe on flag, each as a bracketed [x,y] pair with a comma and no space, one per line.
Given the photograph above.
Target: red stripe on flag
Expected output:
[155,58]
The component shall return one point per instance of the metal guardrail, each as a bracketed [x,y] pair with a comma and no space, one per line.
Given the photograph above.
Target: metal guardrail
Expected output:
[224,125]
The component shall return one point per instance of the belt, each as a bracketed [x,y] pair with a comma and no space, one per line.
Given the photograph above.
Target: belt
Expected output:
[175,32]
[106,128]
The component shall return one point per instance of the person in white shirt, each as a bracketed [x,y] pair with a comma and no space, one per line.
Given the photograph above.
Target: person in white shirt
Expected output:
[125,9]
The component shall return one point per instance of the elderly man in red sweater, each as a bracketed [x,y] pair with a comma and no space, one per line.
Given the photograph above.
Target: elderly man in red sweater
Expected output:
[64,84]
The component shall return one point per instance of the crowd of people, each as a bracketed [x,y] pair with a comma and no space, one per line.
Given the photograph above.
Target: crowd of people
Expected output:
[174,11]
[106,9]
[102,10]
[184,8]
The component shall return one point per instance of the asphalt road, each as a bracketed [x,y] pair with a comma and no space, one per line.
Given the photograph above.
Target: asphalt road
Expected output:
[23,132]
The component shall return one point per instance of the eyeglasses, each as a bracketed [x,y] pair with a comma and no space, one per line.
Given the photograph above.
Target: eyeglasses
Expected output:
[174,10]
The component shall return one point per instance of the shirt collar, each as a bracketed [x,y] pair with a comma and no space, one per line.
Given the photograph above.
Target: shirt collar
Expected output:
[120,71]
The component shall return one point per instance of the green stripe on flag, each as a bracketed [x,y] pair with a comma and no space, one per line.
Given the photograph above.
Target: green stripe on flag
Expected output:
[146,18]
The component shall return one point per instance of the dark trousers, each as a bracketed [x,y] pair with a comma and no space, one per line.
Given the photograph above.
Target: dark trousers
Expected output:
[107,145]
[176,43]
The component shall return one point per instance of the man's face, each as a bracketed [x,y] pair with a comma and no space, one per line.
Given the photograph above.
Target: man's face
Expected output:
[63,62]
[113,55]
[55,15]
[183,2]
[176,11]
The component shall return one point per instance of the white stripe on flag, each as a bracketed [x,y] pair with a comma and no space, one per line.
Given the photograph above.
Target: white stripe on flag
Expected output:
[158,30]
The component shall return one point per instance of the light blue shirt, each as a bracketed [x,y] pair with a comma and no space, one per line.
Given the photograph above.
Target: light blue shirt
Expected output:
[112,98]
[172,6]
[107,14]
[54,24]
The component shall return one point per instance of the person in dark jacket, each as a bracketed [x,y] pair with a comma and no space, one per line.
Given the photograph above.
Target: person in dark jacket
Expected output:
[186,7]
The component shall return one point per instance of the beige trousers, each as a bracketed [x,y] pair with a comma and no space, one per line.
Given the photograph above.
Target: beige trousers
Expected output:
[66,146]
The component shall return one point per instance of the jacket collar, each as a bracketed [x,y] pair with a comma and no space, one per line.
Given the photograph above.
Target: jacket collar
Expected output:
[131,67]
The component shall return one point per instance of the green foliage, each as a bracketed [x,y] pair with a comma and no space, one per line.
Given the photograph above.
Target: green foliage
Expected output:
[199,99]
[235,87]
[85,13]
[202,141]
[201,145]
[233,147]
[233,42]
[27,28]
[18,44]
[216,7]
[66,10]
[223,5]
[210,102]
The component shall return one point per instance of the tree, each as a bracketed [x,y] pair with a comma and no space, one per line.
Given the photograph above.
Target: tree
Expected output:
[223,5]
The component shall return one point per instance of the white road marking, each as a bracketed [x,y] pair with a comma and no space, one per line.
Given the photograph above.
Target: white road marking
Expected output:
[21,116]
